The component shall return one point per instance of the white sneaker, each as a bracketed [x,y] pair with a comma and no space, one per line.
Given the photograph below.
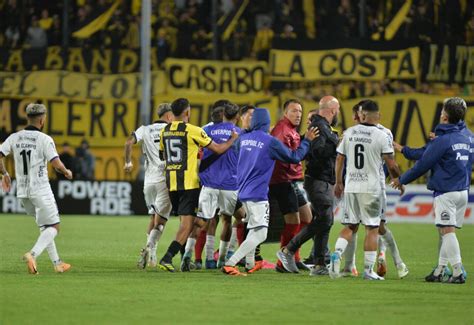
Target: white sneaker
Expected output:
[402,270]
[372,276]
[335,266]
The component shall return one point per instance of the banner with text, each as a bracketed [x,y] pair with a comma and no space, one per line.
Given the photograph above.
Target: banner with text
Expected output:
[287,67]
[415,206]
[210,77]
[448,63]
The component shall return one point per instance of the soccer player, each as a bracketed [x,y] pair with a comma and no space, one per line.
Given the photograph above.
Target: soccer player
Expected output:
[257,154]
[179,146]
[386,237]
[283,184]
[415,154]
[32,149]
[448,157]
[154,188]
[365,147]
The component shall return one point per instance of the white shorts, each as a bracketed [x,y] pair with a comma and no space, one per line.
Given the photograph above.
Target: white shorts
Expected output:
[257,214]
[157,199]
[450,209]
[362,208]
[43,208]
[211,199]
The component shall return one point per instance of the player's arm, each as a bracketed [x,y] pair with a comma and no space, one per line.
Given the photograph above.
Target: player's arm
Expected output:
[220,148]
[6,180]
[409,153]
[128,153]
[393,171]
[339,186]
[60,168]
[279,151]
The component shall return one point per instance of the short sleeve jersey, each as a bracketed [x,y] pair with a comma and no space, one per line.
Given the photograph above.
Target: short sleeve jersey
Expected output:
[363,146]
[31,151]
[149,137]
[382,172]
[179,145]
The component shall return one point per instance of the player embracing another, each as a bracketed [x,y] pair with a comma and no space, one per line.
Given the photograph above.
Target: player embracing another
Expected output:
[257,154]
[364,148]
[32,150]
[154,187]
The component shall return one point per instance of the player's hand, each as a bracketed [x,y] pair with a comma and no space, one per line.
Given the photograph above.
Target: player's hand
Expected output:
[397,185]
[128,167]
[6,183]
[338,190]
[68,174]
[312,133]
[432,136]
[398,147]
[234,136]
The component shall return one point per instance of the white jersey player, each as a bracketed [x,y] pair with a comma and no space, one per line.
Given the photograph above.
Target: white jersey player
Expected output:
[32,150]
[154,188]
[364,148]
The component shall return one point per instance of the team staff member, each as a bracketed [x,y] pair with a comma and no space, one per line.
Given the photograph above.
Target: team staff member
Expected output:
[318,183]
[179,146]
[283,187]
[448,157]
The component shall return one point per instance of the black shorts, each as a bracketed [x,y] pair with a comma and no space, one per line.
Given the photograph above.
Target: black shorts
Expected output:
[288,196]
[185,203]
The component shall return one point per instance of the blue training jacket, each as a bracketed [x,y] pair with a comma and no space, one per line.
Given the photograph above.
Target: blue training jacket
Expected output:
[416,153]
[257,154]
[448,156]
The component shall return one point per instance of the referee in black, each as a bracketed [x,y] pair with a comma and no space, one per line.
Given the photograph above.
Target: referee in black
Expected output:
[319,182]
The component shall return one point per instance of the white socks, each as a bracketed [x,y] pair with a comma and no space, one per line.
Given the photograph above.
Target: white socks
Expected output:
[53,253]
[250,260]
[45,238]
[233,240]
[453,252]
[189,249]
[154,237]
[341,245]
[210,239]
[254,237]
[388,239]
[369,260]
[349,253]
[223,245]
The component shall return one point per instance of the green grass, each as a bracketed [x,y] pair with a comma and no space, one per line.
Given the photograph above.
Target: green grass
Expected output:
[104,285]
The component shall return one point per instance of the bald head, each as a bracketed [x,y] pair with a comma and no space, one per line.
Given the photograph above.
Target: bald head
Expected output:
[328,102]
[329,109]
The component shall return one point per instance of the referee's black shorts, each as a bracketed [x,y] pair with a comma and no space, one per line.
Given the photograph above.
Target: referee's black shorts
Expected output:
[288,196]
[185,202]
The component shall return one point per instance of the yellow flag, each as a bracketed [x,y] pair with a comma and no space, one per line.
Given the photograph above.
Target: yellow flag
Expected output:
[396,22]
[98,23]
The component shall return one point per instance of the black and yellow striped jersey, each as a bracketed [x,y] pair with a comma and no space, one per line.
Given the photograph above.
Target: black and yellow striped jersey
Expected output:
[179,146]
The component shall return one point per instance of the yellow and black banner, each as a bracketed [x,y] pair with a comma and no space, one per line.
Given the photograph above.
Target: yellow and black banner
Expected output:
[228,22]
[210,77]
[288,66]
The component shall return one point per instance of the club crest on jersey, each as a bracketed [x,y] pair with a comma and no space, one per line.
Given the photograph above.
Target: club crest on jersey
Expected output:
[445,216]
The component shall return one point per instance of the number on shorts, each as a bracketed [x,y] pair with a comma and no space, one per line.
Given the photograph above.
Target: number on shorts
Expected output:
[26,160]
[359,156]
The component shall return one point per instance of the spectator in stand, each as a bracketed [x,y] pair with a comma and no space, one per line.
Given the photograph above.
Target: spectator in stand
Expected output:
[171,34]
[263,42]
[132,37]
[236,48]
[55,33]
[85,162]
[46,22]
[68,160]
[288,32]
[187,26]
[36,36]
[202,44]
[162,47]
[470,30]
[115,30]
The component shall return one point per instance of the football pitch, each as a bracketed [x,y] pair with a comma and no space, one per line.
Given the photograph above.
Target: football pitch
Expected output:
[104,286]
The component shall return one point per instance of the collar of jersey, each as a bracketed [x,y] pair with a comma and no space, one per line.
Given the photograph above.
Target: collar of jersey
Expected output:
[32,128]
